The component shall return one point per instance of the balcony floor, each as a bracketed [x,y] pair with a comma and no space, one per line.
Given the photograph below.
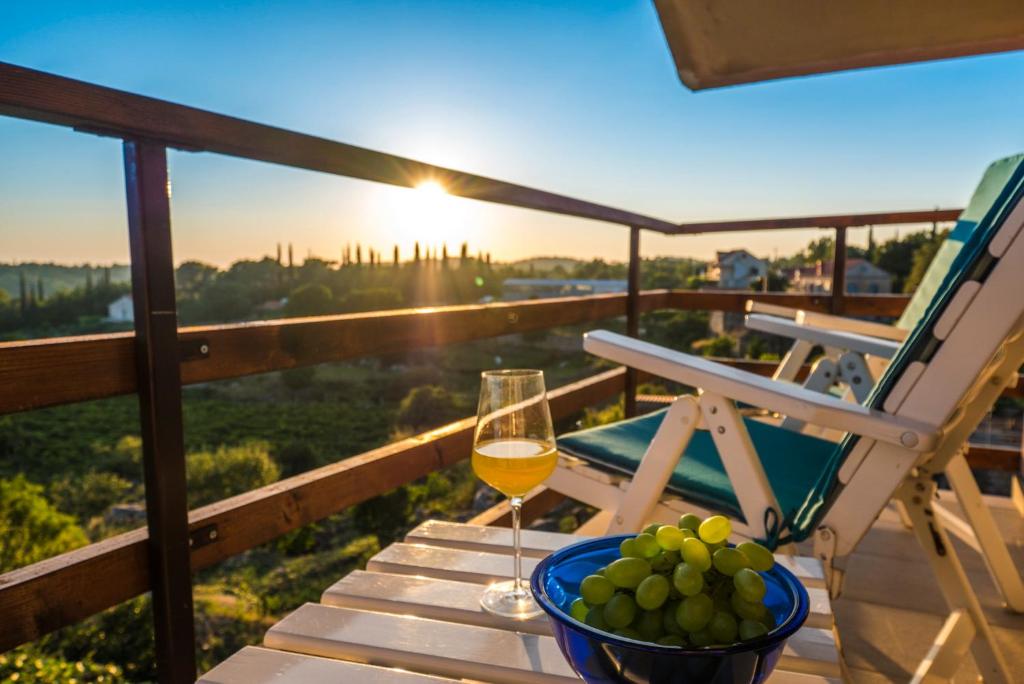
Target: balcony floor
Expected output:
[891,607]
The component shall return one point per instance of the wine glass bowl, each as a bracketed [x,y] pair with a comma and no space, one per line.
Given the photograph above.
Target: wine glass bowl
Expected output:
[513,451]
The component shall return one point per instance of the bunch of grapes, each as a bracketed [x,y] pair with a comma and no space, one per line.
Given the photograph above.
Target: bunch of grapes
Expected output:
[680,586]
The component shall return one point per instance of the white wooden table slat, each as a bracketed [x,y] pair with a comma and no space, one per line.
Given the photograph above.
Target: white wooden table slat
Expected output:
[255,665]
[812,649]
[443,599]
[429,646]
[539,544]
[414,618]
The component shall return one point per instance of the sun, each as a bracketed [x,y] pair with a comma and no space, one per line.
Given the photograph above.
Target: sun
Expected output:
[431,188]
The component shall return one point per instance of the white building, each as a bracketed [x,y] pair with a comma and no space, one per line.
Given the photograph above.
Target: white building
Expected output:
[736,269]
[862,277]
[121,310]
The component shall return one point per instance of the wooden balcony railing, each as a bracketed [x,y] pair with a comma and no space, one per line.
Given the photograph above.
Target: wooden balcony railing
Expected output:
[158,358]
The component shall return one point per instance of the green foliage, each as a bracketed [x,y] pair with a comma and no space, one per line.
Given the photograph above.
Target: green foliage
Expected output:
[33,666]
[897,257]
[228,471]
[675,329]
[721,346]
[923,256]
[30,527]
[91,494]
[311,300]
[122,635]
[426,407]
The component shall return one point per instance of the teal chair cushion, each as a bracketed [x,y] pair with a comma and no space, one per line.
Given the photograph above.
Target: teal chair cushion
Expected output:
[792,461]
[801,469]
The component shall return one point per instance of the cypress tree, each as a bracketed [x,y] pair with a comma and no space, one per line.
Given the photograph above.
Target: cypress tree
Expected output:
[359,254]
[395,255]
[23,292]
[40,295]
[416,253]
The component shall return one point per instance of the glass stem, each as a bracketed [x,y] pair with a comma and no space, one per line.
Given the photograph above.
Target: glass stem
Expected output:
[516,502]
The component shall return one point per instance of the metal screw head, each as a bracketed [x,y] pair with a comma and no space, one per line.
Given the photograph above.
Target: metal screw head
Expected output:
[908,439]
[856,379]
[204,349]
[826,535]
[721,430]
[919,486]
[714,410]
[213,534]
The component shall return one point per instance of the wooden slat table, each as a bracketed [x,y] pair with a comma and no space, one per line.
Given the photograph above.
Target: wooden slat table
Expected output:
[413,616]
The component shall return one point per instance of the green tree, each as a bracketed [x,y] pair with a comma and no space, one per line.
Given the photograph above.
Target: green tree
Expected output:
[923,257]
[310,300]
[91,494]
[215,475]
[723,346]
[426,407]
[30,527]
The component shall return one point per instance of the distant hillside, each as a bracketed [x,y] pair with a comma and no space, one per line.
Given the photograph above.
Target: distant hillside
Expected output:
[57,277]
[546,264]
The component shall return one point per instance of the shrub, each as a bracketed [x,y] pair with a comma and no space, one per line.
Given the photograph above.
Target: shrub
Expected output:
[91,494]
[228,471]
[30,527]
[427,407]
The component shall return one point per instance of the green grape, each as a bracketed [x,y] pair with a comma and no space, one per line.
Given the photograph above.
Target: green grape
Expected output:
[671,640]
[628,573]
[729,561]
[579,609]
[628,633]
[649,624]
[652,592]
[620,611]
[696,554]
[751,629]
[673,556]
[595,618]
[599,571]
[651,529]
[646,545]
[748,610]
[701,637]
[669,538]
[689,521]
[715,529]
[596,590]
[668,618]
[688,533]
[687,579]
[627,548]
[662,563]
[761,559]
[723,627]
[749,585]
[695,612]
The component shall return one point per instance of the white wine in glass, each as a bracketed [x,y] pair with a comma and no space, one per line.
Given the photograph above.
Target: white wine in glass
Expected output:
[513,451]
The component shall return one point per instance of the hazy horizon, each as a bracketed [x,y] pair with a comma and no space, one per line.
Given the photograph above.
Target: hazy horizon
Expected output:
[580,99]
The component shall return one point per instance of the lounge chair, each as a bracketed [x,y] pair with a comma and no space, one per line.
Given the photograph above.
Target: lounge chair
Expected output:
[787,486]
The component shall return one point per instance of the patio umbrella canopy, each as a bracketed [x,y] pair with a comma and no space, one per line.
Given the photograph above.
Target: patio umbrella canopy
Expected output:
[727,42]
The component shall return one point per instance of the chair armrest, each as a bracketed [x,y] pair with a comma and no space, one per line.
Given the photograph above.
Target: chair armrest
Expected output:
[781,397]
[863,344]
[753,306]
[853,325]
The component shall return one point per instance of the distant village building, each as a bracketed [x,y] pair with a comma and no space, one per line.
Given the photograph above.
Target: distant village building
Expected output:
[546,288]
[862,277]
[736,270]
[121,310]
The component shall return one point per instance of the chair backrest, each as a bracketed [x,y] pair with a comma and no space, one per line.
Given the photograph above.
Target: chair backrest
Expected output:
[945,366]
[994,180]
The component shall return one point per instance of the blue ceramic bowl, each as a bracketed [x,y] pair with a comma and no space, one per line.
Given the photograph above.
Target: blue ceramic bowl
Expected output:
[600,658]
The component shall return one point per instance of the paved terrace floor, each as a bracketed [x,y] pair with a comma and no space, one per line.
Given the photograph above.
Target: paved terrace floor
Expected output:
[891,607]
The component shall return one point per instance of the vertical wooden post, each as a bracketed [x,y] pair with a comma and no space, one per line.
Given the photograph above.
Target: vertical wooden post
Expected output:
[839,272]
[632,313]
[157,365]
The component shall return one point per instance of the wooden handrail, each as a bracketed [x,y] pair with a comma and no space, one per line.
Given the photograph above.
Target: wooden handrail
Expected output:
[30,94]
[65,589]
[824,221]
[50,372]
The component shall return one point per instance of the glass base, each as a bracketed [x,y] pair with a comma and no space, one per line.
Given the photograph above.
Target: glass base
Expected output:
[502,599]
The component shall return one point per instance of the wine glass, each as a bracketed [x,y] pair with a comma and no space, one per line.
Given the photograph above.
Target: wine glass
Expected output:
[513,451]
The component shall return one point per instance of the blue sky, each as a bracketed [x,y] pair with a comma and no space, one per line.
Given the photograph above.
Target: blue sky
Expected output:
[574,97]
